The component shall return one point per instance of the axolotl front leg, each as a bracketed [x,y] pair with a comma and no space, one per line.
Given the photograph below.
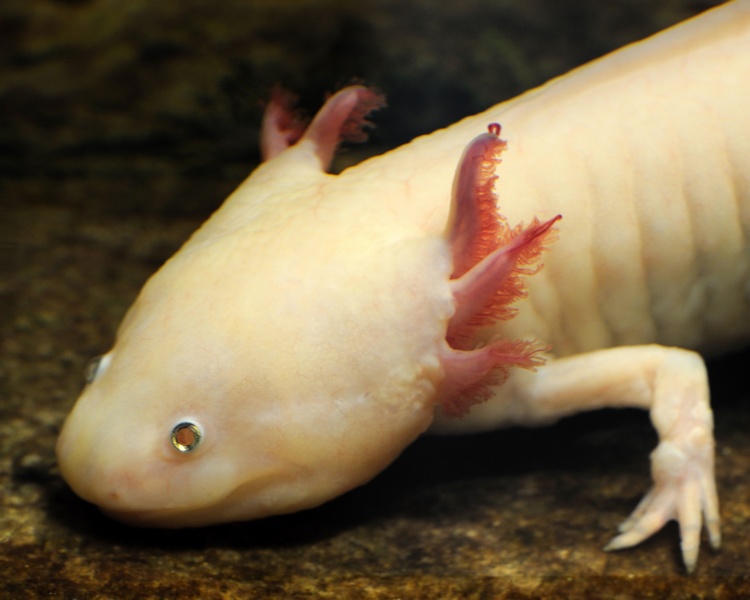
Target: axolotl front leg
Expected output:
[671,383]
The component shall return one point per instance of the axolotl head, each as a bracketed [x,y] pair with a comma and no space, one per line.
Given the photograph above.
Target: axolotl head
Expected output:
[283,356]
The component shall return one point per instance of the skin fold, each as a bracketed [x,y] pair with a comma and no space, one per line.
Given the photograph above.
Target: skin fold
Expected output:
[318,323]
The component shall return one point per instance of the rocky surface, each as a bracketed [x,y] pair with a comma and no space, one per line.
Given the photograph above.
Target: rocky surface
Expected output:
[123,125]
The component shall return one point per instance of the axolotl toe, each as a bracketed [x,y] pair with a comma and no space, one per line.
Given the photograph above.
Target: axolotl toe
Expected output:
[316,324]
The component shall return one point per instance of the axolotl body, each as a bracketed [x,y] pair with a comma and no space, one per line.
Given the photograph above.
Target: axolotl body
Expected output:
[316,324]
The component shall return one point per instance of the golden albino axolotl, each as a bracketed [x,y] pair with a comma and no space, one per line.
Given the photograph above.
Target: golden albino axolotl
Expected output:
[316,324]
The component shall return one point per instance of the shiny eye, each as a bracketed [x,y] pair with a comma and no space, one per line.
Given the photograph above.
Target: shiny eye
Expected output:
[95,367]
[186,436]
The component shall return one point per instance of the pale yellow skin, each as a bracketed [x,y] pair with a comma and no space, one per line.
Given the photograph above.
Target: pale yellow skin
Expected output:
[302,326]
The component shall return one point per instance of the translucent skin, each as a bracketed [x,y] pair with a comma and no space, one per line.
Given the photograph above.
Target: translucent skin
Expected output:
[303,326]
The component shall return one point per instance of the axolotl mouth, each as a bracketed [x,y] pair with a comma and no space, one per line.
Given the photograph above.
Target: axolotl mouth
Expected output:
[259,498]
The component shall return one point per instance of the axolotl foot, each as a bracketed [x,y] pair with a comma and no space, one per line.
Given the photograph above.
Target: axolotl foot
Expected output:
[685,492]
[682,467]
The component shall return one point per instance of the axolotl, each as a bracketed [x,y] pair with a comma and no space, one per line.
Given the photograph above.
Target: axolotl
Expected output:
[317,324]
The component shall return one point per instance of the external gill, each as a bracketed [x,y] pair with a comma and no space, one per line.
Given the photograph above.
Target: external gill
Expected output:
[342,118]
[490,259]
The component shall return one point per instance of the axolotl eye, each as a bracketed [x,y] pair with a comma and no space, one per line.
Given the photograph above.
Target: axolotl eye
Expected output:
[96,367]
[186,436]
